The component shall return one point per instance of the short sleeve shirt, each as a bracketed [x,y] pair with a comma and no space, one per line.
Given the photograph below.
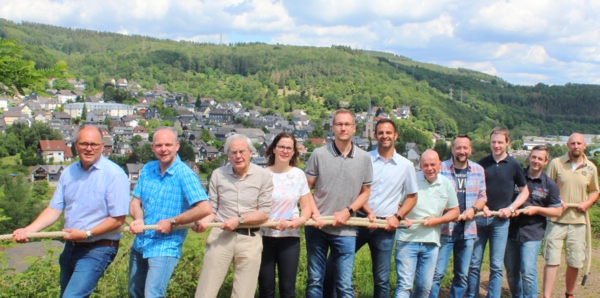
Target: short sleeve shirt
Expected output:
[89,197]
[339,181]
[574,185]
[288,187]
[500,179]
[433,198]
[391,180]
[543,192]
[165,196]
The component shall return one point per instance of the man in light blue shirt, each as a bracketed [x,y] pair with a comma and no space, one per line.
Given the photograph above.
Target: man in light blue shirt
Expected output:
[94,193]
[393,176]
[417,247]
[168,193]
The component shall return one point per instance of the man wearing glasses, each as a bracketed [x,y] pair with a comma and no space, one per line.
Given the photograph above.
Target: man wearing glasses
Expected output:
[240,193]
[341,174]
[94,193]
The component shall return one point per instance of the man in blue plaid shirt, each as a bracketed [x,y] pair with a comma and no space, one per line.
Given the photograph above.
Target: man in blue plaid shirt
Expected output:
[168,193]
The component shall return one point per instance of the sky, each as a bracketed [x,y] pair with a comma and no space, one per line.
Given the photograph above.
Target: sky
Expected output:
[524,42]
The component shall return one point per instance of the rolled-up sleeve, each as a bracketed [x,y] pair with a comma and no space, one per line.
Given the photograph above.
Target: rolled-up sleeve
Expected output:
[265,195]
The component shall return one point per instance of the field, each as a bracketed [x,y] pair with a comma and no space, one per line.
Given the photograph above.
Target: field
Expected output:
[41,280]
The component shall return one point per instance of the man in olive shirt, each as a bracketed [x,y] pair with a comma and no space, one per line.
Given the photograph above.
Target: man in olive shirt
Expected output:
[240,193]
[577,179]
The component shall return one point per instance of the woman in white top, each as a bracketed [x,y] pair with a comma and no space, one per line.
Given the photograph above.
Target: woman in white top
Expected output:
[281,245]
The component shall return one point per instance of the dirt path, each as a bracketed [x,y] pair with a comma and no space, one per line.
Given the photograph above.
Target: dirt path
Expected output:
[590,290]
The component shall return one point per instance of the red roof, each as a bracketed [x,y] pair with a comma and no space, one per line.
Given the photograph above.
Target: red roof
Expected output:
[56,145]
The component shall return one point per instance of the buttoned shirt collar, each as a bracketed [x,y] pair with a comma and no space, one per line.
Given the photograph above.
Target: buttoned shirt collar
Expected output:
[96,165]
[229,170]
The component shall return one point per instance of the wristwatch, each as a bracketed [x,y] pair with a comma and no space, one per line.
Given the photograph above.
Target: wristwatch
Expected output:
[350,209]
[240,219]
[512,210]
[475,209]
[88,235]
[173,222]
[398,216]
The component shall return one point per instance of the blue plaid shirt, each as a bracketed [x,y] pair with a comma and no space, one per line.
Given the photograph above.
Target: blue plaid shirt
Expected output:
[475,190]
[165,196]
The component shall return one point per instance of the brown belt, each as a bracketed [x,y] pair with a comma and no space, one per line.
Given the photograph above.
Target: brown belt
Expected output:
[102,242]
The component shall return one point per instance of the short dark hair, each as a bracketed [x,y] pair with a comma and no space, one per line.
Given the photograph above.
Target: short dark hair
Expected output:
[385,120]
[541,148]
[270,153]
[499,130]
[464,135]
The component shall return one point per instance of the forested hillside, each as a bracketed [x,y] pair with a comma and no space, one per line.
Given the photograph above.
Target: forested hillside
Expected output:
[283,78]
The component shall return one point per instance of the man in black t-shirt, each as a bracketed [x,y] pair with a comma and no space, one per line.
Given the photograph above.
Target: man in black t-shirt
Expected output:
[502,173]
[526,231]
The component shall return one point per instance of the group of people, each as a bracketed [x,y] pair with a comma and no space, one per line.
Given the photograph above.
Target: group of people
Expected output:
[444,197]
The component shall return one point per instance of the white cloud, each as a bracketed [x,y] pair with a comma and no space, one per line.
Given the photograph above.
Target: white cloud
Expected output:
[521,41]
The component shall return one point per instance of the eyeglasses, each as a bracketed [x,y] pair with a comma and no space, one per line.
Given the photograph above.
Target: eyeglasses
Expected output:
[94,146]
[235,153]
[283,148]
[340,125]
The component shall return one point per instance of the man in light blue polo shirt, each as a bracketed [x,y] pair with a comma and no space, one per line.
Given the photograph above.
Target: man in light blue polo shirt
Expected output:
[94,193]
[168,193]
[417,247]
[393,176]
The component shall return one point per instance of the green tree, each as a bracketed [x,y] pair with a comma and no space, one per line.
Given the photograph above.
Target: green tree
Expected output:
[442,149]
[84,112]
[18,74]
[318,132]
[62,84]
[186,151]
[107,121]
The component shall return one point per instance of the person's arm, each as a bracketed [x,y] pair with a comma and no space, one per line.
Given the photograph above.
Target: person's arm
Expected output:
[137,214]
[316,215]
[197,212]
[105,226]
[47,217]
[450,215]
[305,212]
[403,209]
[520,200]
[258,216]
[469,214]
[543,211]
[250,218]
[340,217]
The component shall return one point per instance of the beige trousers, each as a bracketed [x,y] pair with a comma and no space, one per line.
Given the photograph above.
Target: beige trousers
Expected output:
[221,248]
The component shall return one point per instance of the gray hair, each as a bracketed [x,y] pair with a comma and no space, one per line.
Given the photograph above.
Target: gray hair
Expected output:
[237,136]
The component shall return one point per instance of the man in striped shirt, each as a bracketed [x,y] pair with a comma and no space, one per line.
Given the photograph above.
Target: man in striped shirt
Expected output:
[469,182]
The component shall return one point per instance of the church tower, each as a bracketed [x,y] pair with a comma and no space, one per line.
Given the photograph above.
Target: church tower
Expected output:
[369,128]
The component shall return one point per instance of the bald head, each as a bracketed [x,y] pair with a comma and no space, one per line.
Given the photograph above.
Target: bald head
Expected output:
[576,145]
[165,133]
[430,165]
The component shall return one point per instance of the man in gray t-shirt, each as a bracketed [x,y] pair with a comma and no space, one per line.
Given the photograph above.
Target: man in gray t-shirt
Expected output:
[341,174]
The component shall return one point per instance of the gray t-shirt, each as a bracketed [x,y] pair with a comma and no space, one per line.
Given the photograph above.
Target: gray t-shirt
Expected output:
[339,181]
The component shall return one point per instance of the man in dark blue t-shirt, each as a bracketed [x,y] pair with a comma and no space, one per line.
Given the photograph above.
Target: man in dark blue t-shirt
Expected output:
[502,173]
[526,231]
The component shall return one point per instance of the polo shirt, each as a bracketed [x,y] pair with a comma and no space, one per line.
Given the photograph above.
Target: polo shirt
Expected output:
[433,199]
[543,192]
[165,196]
[500,180]
[89,197]
[574,185]
[231,195]
[474,190]
[339,181]
[391,180]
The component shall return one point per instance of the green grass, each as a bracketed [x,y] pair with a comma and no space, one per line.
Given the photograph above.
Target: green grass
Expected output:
[11,160]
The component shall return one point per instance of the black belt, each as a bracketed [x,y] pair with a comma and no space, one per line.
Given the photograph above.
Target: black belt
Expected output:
[364,215]
[247,232]
[102,242]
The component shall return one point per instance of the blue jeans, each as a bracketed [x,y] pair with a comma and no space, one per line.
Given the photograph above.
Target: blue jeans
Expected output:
[520,261]
[342,251]
[82,266]
[381,243]
[494,229]
[463,251]
[415,264]
[149,277]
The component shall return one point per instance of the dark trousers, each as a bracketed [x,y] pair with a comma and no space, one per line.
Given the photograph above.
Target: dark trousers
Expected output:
[283,253]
